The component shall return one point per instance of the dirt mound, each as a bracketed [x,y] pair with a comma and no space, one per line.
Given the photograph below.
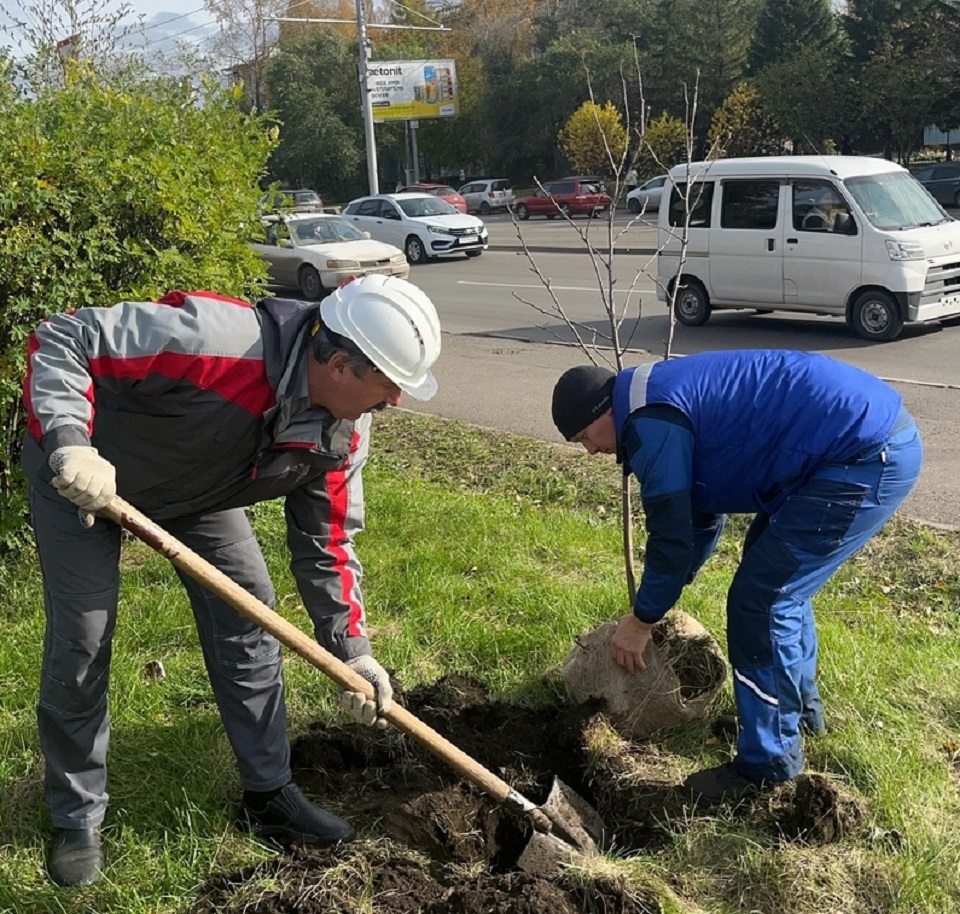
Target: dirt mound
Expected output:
[430,842]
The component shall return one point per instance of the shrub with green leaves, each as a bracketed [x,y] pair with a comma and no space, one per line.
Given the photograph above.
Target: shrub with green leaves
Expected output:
[112,192]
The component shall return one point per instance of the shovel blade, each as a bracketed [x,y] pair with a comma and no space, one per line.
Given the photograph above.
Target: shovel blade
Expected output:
[577,832]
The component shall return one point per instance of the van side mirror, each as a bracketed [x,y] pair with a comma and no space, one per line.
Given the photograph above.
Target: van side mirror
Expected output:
[843,224]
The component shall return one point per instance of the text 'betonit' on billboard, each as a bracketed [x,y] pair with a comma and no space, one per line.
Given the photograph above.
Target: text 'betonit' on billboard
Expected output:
[413,89]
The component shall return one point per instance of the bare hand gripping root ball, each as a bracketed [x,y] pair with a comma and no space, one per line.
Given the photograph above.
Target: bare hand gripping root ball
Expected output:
[685,670]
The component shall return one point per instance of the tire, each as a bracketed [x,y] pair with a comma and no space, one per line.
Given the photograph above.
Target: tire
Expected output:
[692,307]
[414,249]
[473,253]
[633,205]
[876,316]
[565,210]
[309,280]
[484,208]
[523,214]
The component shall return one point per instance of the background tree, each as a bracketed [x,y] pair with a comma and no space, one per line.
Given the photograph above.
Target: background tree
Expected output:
[664,144]
[814,98]
[318,110]
[247,41]
[741,126]
[787,28]
[594,139]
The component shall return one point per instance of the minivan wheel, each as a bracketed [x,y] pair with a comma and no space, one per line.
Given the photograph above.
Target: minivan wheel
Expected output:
[415,251]
[633,204]
[484,208]
[565,210]
[875,316]
[692,307]
[310,286]
[522,212]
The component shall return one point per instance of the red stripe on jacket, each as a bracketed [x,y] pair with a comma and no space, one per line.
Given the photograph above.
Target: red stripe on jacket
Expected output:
[176,298]
[337,491]
[242,382]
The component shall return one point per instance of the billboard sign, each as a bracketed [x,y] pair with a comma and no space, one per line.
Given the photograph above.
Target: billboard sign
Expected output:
[405,89]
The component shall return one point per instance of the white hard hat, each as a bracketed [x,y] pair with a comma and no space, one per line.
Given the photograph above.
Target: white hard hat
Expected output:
[394,324]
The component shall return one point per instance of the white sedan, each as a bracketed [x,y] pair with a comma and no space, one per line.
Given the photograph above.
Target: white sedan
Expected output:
[317,252]
[423,225]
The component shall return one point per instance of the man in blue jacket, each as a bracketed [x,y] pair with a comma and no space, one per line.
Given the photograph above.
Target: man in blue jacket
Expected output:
[820,452]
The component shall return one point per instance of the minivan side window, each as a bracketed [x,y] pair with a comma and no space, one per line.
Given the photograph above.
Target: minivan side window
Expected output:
[701,204]
[563,187]
[749,204]
[819,207]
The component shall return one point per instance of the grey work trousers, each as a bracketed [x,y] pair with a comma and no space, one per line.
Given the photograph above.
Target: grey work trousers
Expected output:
[81,584]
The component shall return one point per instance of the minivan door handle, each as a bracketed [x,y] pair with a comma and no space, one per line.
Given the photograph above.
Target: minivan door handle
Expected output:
[793,241]
[771,243]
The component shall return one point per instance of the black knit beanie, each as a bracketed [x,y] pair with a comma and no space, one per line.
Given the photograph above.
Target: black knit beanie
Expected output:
[581,395]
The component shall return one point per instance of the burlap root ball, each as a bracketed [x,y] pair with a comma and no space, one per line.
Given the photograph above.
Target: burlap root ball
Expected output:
[685,670]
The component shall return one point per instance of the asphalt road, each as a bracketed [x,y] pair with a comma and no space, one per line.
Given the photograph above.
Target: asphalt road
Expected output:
[504,346]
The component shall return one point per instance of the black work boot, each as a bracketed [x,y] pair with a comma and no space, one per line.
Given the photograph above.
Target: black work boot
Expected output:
[76,857]
[717,785]
[287,815]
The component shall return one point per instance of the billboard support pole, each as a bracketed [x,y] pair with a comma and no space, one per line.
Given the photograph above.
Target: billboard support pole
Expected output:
[416,152]
[366,102]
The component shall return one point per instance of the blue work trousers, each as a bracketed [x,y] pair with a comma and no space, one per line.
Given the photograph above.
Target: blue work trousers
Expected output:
[788,556]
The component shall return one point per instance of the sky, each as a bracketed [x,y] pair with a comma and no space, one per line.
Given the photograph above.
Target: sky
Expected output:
[164,21]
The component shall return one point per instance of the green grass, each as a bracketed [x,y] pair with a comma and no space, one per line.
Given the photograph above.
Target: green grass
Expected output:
[487,553]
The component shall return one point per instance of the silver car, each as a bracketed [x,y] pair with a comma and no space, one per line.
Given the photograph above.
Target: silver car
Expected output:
[486,195]
[646,197]
[317,252]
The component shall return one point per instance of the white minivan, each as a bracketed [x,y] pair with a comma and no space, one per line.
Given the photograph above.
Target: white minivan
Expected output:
[849,236]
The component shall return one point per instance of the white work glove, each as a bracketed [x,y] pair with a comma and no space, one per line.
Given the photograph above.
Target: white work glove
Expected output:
[366,710]
[83,476]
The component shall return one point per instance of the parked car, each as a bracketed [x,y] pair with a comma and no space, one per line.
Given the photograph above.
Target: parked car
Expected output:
[317,252]
[486,195]
[422,225]
[567,197]
[942,180]
[646,197]
[444,191]
[291,201]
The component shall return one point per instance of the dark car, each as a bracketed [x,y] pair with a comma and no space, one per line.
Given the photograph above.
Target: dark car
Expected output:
[576,195]
[301,200]
[942,180]
[443,191]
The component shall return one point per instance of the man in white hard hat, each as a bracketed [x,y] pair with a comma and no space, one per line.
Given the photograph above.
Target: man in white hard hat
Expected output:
[193,407]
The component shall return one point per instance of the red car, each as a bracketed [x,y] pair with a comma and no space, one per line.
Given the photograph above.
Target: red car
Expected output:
[567,196]
[439,190]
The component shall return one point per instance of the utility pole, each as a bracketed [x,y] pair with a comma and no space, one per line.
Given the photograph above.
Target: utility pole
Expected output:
[363,73]
[366,105]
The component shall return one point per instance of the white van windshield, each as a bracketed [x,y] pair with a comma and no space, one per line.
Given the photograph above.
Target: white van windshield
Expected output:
[895,200]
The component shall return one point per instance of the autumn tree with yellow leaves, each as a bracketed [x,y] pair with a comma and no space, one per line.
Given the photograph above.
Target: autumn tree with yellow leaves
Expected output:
[595,139]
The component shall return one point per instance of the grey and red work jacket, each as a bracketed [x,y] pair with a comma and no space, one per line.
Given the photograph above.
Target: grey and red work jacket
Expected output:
[200,402]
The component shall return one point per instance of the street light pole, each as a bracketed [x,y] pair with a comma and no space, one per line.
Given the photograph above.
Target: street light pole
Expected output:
[366,102]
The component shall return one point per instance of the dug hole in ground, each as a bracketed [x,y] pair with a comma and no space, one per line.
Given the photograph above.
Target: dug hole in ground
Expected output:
[432,843]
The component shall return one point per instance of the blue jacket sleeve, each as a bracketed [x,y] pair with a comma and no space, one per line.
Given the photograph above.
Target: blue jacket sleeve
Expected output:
[657,444]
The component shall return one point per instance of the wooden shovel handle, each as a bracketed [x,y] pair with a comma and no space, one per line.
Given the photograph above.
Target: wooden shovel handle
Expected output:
[248,605]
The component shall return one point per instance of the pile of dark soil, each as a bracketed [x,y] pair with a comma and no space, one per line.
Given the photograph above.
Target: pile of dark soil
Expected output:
[432,843]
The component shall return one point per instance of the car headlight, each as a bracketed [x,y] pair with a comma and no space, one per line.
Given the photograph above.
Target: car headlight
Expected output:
[343,265]
[905,250]
[399,258]
[438,229]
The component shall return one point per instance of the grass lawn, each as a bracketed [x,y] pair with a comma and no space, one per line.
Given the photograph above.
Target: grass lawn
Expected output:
[488,554]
